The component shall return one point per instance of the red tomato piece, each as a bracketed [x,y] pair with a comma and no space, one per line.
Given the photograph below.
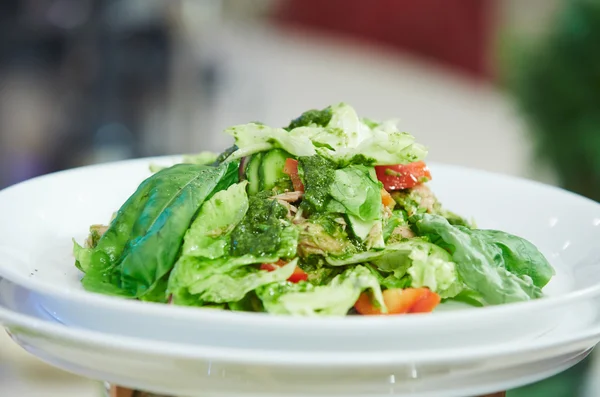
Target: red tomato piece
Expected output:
[291,168]
[268,267]
[400,301]
[297,276]
[426,303]
[365,306]
[402,176]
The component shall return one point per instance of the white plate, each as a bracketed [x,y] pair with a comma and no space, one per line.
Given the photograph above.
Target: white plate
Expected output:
[41,216]
[178,369]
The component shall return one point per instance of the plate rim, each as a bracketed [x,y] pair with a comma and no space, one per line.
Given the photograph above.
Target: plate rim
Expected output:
[559,363]
[96,339]
[243,318]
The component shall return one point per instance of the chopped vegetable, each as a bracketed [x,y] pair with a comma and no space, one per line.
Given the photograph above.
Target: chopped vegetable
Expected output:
[291,168]
[403,176]
[297,276]
[387,200]
[399,301]
[336,297]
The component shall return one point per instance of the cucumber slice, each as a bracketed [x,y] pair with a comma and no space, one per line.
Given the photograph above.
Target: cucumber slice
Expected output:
[271,172]
[252,171]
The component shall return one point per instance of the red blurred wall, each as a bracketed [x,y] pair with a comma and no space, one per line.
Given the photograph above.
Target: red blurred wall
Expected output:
[456,33]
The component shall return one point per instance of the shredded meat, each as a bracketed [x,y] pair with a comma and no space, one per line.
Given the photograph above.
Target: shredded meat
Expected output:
[428,199]
[314,240]
[298,218]
[403,231]
[291,210]
[290,197]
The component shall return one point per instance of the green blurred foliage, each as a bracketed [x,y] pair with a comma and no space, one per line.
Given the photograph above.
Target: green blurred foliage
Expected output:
[571,383]
[556,83]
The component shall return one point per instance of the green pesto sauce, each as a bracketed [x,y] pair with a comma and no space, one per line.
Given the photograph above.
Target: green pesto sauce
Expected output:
[359,159]
[329,224]
[316,117]
[259,233]
[319,173]
[318,273]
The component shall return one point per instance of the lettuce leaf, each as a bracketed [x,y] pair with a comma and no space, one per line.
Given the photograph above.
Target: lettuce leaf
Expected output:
[481,265]
[253,230]
[432,267]
[343,139]
[358,191]
[195,282]
[369,232]
[520,256]
[233,286]
[347,136]
[389,280]
[208,236]
[335,298]
[426,265]
[253,138]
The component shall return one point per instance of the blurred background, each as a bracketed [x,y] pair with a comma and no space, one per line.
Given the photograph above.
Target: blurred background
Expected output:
[506,85]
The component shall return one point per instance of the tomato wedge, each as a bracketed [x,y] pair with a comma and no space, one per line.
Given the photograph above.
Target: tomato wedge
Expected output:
[426,303]
[402,176]
[291,168]
[297,276]
[400,301]
[365,306]
[268,267]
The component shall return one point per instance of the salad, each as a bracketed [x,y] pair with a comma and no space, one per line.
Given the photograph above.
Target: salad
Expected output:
[330,215]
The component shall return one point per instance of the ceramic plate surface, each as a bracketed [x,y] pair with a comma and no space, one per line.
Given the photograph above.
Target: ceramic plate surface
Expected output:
[41,216]
[207,371]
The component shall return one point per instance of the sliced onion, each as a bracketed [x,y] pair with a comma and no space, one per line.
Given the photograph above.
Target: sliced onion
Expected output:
[242,169]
